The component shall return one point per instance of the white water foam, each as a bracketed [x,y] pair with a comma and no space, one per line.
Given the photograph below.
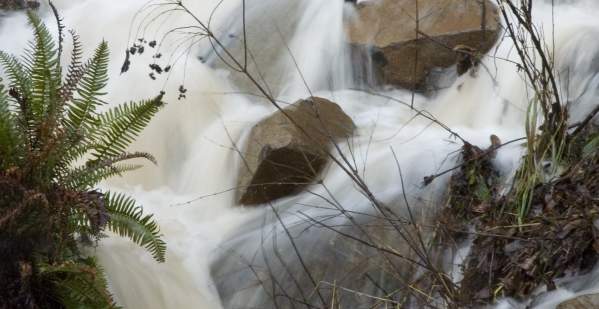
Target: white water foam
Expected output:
[192,139]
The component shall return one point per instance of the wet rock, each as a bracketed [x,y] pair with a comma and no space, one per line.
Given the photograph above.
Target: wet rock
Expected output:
[588,301]
[385,31]
[266,37]
[18,4]
[280,158]
[259,270]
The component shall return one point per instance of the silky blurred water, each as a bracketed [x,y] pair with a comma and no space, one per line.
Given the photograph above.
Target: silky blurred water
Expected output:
[190,191]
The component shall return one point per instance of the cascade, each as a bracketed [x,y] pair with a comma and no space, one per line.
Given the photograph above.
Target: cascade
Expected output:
[218,252]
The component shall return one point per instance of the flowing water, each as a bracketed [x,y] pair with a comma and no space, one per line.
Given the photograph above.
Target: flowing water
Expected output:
[217,250]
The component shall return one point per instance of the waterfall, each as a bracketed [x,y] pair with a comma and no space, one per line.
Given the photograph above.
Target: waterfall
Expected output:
[215,247]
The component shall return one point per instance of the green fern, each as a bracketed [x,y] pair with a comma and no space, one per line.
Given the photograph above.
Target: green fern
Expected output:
[82,113]
[127,219]
[9,136]
[42,63]
[56,145]
[86,177]
[75,70]
[122,124]
[17,76]
[20,88]
[81,284]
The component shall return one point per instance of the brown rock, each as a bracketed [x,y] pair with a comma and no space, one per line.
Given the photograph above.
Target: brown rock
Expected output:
[589,301]
[385,30]
[280,158]
[332,256]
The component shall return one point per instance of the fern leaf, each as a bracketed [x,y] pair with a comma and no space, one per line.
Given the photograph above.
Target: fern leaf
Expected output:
[127,219]
[44,71]
[75,70]
[60,25]
[82,114]
[20,84]
[80,284]
[93,172]
[16,73]
[121,125]
[86,177]
[122,157]
[79,223]
[10,144]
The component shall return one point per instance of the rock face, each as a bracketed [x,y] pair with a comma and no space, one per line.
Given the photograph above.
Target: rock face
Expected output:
[329,257]
[581,302]
[280,158]
[385,32]
[263,41]
[18,4]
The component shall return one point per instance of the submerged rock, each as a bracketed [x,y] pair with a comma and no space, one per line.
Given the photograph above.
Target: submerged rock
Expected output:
[281,157]
[266,37]
[385,31]
[589,301]
[261,269]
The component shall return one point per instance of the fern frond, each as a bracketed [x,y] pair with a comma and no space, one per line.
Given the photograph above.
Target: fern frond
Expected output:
[20,85]
[49,124]
[94,171]
[72,151]
[75,70]
[87,216]
[82,113]
[79,284]
[60,25]
[135,155]
[79,223]
[74,145]
[16,73]
[122,124]
[86,177]
[127,219]
[44,69]
[10,145]
[122,157]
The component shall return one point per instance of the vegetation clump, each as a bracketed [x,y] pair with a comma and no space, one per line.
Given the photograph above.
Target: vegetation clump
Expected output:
[474,185]
[58,140]
[514,255]
[542,228]
[558,236]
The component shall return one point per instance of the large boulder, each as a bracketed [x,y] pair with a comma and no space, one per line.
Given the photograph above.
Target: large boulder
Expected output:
[282,156]
[385,31]
[259,265]
[264,34]
[581,302]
